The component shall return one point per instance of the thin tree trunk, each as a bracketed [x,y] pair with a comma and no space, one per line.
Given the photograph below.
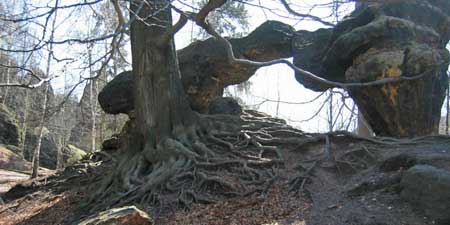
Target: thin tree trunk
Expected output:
[92,102]
[25,121]
[5,95]
[448,113]
[330,111]
[62,144]
[37,150]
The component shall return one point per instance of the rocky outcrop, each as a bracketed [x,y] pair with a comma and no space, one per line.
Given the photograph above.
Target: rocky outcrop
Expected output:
[205,70]
[49,151]
[9,130]
[129,215]
[9,160]
[381,40]
[428,190]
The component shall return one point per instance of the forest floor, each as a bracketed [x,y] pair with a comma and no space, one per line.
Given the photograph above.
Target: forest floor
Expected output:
[328,179]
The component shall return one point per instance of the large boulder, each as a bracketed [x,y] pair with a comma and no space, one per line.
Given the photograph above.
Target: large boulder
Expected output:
[9,160]
[9,130]
[387,40]
[129,215]
[117,96]
[428,190]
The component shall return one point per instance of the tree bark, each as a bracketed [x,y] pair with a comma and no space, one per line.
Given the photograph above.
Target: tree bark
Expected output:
[161,107]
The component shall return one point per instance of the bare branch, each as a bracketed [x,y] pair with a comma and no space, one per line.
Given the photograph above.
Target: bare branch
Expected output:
[232,59]
[309,16]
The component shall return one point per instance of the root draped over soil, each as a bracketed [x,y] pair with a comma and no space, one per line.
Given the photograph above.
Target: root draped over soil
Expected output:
[232,157]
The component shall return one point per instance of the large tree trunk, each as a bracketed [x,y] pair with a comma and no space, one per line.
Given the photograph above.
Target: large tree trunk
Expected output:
[170,150]
[161,107]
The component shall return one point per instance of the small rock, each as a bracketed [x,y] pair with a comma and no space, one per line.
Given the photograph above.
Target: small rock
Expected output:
[226,105]
[111,144]
[428,190]
[128,215]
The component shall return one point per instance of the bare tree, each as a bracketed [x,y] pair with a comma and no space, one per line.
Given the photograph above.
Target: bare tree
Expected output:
[37,150]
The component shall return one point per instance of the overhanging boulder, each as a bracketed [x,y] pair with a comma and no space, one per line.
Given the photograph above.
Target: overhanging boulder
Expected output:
[117,96]
[205,70]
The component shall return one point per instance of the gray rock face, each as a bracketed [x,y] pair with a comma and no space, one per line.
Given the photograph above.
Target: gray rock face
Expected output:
[225,105]
[49,151]
[129,215]
[9,130]
[428,189]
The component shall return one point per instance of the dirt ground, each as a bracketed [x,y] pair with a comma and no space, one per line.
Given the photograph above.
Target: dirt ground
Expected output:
[334,179]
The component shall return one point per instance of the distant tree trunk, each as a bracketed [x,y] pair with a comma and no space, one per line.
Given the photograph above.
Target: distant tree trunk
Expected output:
[59,159]
[92,102]
[25,121]
[330,111]
[447,107]
[161,107]
[5,95]
[37,149]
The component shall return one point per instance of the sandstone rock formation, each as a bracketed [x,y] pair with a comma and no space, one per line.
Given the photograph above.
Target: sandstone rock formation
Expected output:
[387,40]
[205,70]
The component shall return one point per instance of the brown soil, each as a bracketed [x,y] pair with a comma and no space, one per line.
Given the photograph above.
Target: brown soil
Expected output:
[342,181]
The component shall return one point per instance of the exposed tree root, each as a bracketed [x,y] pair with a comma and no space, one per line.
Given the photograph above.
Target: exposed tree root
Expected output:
[229,160]
[226,156]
